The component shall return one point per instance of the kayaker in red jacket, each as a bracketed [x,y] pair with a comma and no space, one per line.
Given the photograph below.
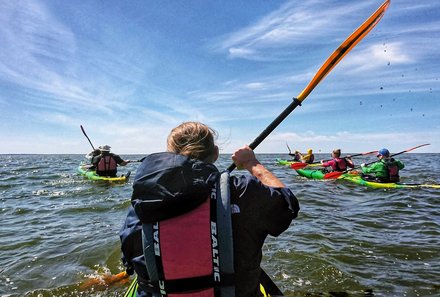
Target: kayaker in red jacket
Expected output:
[338,163]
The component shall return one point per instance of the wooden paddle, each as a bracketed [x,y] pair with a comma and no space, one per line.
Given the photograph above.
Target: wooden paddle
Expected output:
[325,69]
[336,174]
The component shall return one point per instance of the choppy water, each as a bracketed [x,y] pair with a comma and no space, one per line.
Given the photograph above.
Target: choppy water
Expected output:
[57,229]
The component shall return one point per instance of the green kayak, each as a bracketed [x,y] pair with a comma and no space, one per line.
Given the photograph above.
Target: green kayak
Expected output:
[83,169]
[284,162]
[353,177]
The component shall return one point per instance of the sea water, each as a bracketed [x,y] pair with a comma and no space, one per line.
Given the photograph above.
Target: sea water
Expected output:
[59,230]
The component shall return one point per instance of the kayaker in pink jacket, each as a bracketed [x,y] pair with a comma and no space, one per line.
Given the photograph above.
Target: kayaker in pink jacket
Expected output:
[338,163]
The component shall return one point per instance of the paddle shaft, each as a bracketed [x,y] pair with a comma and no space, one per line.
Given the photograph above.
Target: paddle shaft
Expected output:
[350,156]
[85,134]
[298,166]
[271,127]
[328,65]
[405,151]
[288,148]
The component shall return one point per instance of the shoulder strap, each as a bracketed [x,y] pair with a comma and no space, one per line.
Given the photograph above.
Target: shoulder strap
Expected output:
[222,278]
[224,225]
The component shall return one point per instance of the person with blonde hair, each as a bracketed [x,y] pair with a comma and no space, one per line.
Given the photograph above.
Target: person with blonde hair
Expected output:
[194,140]
[338,163]
[193,229]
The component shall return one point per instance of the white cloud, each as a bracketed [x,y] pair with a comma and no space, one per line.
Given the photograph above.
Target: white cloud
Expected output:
[294,23]
[376,56]
[235,52]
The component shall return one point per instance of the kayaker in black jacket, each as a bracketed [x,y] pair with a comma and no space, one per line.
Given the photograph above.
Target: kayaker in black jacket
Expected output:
[171,184]
[106,163]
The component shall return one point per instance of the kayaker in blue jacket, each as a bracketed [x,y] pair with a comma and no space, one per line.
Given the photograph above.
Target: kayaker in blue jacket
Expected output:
[385,170]
[172,185]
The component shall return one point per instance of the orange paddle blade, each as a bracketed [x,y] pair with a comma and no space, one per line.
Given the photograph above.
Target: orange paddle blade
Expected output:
[333,175]
[345,48]
[105,280]
[298,165]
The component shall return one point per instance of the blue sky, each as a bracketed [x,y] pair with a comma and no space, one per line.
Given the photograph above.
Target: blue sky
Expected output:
[129,71]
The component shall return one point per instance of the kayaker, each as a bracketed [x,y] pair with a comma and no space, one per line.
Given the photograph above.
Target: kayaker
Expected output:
[296,156]
[308,158]
[90,156]
[106,163]
[338,163]
[386,170]
[171,187]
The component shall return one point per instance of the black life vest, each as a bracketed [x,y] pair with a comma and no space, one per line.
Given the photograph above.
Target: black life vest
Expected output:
[192,253]
[393,170]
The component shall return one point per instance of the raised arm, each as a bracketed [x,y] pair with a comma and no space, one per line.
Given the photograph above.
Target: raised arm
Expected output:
[244,158]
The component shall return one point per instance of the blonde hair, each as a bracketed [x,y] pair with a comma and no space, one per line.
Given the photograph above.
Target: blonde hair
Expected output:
[192,139]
